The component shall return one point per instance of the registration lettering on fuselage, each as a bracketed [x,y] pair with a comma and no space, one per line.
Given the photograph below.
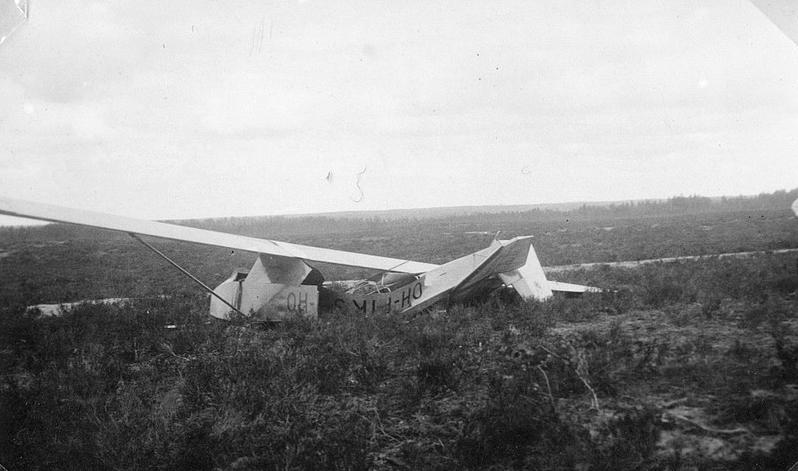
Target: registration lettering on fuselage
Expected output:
[397,300]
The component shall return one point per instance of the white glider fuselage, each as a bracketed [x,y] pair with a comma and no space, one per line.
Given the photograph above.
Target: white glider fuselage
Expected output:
[268,292]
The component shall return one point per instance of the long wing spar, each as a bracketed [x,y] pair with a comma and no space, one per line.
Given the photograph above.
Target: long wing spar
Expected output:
[52,213]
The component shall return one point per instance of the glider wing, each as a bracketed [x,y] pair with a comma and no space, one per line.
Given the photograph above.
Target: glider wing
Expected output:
[52,213]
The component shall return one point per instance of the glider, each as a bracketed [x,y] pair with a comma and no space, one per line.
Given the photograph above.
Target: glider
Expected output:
[283,282]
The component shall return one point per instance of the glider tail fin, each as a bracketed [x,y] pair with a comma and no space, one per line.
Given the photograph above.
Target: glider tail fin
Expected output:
[528,280]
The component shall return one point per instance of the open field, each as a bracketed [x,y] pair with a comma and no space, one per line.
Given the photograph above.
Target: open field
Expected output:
[689,365]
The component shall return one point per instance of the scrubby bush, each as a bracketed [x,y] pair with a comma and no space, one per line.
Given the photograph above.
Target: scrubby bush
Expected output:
[516,427]
[111,387]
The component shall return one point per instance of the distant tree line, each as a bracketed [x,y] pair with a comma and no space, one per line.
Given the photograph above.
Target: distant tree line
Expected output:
[303,226]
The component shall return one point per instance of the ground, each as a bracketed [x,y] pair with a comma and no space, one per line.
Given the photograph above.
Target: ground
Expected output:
[686,365]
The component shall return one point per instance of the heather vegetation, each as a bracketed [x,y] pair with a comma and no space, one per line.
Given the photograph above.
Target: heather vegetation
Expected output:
[689,365]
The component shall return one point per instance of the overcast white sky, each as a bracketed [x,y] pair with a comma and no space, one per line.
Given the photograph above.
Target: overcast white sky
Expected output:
[194,108]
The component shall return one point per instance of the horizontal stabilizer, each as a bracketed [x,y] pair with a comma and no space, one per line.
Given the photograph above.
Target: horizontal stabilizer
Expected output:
[561,287]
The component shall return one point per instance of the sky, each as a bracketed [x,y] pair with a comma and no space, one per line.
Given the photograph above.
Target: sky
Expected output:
[185,109]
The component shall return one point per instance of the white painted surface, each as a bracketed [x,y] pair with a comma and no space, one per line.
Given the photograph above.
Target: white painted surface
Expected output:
[46,212]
